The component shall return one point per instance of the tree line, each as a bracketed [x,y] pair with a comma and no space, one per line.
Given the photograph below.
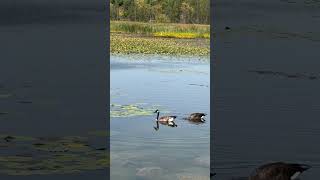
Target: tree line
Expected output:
[163,11]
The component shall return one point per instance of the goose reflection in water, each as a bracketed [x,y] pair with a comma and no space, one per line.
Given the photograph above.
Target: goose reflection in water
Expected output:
[168,123]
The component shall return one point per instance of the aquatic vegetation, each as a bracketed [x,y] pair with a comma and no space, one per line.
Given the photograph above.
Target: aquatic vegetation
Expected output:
[181,35]
[131,110]
[41,156]
[16,138]
[145,45]
[151,29]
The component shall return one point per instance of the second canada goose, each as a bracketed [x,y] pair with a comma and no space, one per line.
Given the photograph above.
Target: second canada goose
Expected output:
[197,117]
[279,171]
[164,118]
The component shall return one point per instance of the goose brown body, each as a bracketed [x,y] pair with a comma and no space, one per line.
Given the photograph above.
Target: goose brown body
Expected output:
[167,118]
[196,117]
[164,118]
[279,171]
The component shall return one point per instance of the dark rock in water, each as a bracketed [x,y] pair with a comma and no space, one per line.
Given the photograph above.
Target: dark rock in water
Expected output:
[227,28]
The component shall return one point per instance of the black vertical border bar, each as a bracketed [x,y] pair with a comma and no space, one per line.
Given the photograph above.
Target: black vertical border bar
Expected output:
[212,84]
[107,90]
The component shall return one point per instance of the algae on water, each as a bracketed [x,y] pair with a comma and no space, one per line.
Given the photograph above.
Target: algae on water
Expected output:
[41,156]
[131,110]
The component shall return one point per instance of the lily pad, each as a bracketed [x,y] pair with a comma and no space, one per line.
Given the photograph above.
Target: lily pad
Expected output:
[130,110]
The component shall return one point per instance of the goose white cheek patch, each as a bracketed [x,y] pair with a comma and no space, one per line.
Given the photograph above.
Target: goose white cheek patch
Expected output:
[295,176]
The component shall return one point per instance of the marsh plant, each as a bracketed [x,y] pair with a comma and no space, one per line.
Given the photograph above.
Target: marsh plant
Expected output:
[58,155]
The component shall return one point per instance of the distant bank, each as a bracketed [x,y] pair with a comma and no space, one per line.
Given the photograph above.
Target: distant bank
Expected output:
[129,37]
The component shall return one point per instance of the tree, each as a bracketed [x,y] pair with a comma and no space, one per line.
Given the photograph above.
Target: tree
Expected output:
[186,12]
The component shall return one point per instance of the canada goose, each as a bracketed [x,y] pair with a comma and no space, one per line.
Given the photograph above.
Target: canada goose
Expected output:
[279,171]
[164,118]
[169,123]
[196,117]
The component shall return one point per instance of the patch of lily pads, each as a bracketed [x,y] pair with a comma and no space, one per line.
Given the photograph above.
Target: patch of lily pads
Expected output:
[43,156]
[145,45]
[131,110]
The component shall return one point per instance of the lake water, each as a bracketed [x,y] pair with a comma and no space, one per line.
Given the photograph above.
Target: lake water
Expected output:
[176,86]
[52,86]
[261,117]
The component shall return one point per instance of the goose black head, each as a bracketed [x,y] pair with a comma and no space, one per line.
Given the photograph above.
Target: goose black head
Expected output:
[156,111]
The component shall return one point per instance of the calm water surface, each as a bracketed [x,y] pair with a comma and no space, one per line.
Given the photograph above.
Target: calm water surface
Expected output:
[178,86]
[52,78]
[259,118]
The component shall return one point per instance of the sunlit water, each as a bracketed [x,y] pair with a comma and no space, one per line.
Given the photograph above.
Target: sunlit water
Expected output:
[178,86]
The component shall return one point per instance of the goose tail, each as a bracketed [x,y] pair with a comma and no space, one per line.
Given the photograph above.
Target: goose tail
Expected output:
[303,167]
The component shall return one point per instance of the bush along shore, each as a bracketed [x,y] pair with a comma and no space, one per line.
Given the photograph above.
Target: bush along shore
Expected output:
[159,38]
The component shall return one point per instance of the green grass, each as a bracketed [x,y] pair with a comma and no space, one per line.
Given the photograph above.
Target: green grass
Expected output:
[170,30]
